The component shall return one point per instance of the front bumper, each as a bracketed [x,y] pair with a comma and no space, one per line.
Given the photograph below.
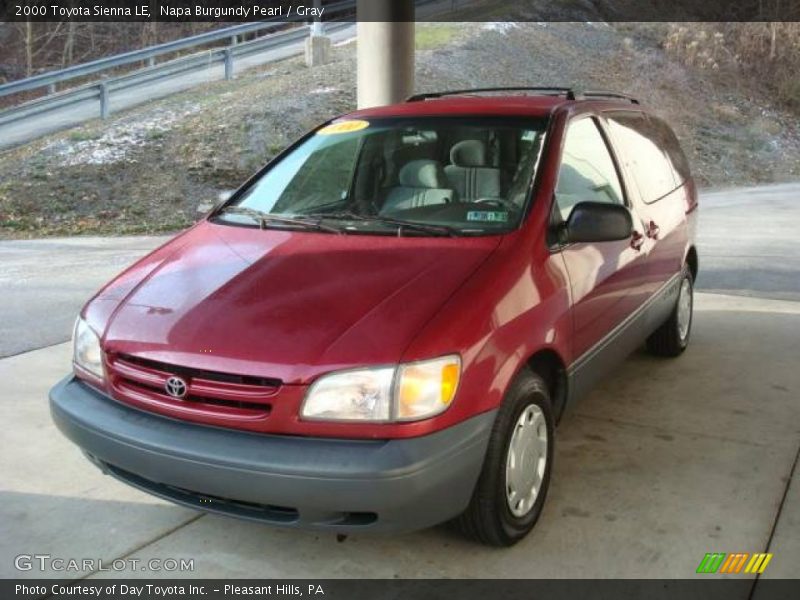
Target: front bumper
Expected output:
[339,485]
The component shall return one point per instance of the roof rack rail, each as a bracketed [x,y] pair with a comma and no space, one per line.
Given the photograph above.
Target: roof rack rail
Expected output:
[568,93]
[604,94]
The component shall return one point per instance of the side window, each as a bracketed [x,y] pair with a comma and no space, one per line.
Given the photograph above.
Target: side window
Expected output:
[587,172]
[668,141]
[642,151]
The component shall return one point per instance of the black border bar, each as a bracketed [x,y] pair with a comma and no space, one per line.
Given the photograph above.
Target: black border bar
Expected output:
[709,587]
[229,11]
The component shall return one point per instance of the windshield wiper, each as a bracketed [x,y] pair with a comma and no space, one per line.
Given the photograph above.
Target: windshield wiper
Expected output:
[413,225]
[400,223]
[264,219]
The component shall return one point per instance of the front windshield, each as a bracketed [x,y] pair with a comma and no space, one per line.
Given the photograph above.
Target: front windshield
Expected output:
[463,176]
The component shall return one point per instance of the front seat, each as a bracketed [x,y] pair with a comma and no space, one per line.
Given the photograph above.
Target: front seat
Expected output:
[468,174]
[422,183]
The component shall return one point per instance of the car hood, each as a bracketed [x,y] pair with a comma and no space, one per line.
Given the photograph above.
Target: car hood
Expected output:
[282,304]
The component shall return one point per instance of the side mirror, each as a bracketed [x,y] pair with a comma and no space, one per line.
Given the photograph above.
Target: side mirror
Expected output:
[598,222]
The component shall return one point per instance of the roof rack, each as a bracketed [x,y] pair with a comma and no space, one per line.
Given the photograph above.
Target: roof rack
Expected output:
[568,93]
[604,94]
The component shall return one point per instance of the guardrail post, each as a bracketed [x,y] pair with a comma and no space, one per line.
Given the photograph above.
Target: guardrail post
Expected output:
[51,89]
[105,109]
[316,28]
[151,61]
[228,63]
[318,46]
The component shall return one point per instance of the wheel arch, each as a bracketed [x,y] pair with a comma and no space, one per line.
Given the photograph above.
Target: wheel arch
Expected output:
[692,261]
[549,365]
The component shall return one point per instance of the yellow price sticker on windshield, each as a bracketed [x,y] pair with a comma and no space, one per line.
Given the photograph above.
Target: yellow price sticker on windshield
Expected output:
[343,127]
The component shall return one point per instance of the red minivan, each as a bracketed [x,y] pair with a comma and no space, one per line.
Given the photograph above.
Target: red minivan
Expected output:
[380,329]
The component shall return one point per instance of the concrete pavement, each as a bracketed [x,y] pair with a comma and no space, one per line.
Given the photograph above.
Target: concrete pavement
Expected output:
[786,535]
[665,461]
[46,282]
[748,241]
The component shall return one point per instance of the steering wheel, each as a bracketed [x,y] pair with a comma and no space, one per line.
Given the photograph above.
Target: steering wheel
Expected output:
[497,202]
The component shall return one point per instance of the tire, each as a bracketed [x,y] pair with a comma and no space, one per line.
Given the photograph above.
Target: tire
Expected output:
[489,518]
[672,337]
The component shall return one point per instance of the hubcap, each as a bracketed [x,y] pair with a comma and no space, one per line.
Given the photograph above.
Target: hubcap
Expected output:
[526,460]
[685,309]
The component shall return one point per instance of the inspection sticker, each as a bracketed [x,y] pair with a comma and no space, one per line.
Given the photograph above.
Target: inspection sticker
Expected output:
[488,216]
[343,127]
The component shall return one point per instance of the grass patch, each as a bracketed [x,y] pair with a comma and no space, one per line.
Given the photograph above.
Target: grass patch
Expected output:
[429,36]
[789,92]
[82,135]
[155,134]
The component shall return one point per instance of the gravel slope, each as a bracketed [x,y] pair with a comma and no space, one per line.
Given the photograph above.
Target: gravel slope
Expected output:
[148,170]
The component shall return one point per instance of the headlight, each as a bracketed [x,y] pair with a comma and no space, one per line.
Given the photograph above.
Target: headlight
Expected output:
[408,392]
[351,396]
[426,388]
[86,349]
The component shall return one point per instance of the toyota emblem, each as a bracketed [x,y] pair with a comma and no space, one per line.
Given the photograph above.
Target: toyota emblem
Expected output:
[176,387]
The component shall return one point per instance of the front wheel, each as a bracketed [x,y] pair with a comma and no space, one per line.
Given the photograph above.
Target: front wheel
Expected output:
[672,337]
[512,487]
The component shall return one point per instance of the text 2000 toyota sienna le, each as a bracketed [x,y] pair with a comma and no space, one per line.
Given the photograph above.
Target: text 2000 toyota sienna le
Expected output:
[380,329]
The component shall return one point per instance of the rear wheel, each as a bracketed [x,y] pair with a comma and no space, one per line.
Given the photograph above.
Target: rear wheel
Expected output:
[512,487]
[672,337]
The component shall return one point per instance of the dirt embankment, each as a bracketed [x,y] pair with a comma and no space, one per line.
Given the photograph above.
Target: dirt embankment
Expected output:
[148,170]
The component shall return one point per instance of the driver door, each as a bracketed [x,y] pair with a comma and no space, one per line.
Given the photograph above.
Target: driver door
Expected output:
[608,280]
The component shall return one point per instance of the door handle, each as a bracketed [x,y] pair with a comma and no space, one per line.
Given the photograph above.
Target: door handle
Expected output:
[637,240]
[653,230]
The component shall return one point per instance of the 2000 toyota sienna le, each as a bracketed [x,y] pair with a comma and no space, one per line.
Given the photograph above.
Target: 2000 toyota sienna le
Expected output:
[380,329]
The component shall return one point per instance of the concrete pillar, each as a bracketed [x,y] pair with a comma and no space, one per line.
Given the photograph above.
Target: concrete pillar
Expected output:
[385,51]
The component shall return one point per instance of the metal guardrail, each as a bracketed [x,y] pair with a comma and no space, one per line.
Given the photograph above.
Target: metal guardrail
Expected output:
[151,53]
[101,89]
[119,60]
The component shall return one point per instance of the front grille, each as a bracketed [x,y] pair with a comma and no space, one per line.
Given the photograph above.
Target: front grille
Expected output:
[230,395]
[194,398]
[188,373]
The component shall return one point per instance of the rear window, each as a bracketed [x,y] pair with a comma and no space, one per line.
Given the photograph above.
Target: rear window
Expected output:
[650,152]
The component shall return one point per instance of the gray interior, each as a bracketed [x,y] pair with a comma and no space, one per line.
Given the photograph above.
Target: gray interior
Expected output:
[468,173]
[422,183]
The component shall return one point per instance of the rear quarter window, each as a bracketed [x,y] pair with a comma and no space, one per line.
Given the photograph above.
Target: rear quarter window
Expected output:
[650,152]
[669,143]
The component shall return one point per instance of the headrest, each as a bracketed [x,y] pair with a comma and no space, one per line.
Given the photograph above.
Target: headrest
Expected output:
[422,174]
[469,153]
